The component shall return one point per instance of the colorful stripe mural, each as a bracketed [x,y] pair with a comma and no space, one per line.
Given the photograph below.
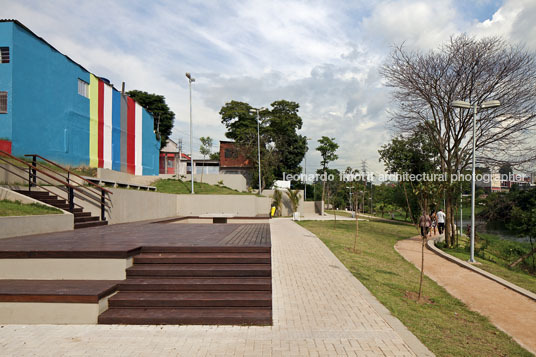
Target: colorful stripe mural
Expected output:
[115,129]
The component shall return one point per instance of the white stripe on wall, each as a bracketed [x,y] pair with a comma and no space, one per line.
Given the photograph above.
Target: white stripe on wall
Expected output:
[107,147]
[138,152]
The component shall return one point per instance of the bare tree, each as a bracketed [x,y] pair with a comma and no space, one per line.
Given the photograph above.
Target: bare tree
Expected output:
[474,70]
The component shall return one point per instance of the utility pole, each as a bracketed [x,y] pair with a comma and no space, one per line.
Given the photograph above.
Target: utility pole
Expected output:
[190,80]
[364,172]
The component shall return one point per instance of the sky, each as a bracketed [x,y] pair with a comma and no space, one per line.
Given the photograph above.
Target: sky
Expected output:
[325,55]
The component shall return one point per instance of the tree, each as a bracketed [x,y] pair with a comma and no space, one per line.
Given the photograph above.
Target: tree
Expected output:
[294,197]
[205,149]
[215,156]
[474,70]
[156,105]
[277,201]
[282,149]
[327,149]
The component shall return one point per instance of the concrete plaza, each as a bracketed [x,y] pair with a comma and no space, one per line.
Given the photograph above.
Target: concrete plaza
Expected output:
[319,308]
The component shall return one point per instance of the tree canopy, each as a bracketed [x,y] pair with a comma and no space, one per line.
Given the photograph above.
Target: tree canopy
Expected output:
[282,148]
[156,105]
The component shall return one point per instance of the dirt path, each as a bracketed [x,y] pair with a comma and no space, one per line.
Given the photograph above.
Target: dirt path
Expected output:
[509,311]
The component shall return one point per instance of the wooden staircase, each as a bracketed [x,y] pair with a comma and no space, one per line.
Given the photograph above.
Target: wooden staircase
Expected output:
[195,286]
[81,219]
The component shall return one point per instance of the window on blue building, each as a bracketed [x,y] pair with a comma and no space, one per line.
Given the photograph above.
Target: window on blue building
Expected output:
[3,102]
[83,88]
[4,54]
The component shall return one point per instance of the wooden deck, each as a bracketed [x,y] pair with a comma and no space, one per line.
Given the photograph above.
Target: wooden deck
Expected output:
[125,240]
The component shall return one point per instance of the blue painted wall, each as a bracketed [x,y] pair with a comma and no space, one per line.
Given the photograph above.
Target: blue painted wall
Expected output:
[6,40]
[46,115]
[150,146]
[51,118]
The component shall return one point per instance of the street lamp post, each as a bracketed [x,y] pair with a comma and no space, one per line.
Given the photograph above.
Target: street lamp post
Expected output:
[190,80]
[257,111]
[305,169]
[475,107]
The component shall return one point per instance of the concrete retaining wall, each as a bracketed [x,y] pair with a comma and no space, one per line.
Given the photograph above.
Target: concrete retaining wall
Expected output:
[236,182]
[123,177]
[239,205]
[13,226]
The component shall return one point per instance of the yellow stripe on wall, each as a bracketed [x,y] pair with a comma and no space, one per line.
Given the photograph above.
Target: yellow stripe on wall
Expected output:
[93,121]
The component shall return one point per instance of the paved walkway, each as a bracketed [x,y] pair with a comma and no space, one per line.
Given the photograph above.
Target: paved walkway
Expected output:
[319,309]
[509,311]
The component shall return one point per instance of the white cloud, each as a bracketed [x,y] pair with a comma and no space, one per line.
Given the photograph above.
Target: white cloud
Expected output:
[324,55]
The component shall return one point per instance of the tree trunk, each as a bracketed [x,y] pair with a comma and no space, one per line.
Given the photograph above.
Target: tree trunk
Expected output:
[423,239]
[407,201]
[448,219]
[356,226]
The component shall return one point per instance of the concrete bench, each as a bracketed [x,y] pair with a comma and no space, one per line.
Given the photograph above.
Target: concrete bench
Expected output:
[218,217]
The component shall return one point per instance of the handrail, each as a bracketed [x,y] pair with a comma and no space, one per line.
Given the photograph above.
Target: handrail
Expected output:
[33,170]
[44,188]
[70,172]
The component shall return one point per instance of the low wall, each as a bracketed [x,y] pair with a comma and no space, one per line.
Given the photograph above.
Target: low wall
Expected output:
[236,182]
[239,205]
[123,177]
[14,226]
[8,178]
[64,268]
[51,312]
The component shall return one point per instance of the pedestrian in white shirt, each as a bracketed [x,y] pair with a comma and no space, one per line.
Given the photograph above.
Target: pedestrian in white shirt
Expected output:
[441,221]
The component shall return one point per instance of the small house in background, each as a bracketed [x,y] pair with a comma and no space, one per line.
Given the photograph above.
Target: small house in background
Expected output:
[232,161]
[172,160]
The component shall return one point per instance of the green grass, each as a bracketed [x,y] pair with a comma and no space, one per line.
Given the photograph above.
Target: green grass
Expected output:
[495,255]
[339,213]
[446,326]
[16,208]
[184,187]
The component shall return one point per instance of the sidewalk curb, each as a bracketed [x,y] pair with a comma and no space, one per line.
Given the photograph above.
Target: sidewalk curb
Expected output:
[431,246]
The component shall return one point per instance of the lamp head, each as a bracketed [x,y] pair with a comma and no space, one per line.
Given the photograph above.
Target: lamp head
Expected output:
[490,104]
[461,104]
[189,76]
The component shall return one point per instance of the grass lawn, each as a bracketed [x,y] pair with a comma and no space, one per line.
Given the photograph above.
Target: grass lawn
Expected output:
[492,261]
[16,208]
[184,187]
[339,213]
[445,325]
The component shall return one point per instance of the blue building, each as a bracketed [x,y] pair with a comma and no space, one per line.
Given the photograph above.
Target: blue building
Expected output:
[52,106]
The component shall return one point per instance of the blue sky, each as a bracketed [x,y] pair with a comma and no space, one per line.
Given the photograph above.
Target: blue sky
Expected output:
[324,55]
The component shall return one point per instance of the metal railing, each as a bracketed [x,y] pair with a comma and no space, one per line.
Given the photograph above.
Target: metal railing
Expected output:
[66,180]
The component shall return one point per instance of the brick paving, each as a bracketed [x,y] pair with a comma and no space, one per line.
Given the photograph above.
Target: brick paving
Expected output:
[319,309]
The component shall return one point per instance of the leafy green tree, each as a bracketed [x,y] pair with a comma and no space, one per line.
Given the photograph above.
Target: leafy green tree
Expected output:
[282,148]
[327,149]
[214,156]
[163,116]
[205,149]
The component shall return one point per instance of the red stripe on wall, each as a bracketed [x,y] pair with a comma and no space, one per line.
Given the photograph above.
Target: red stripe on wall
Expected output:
[131,136]
[101,124]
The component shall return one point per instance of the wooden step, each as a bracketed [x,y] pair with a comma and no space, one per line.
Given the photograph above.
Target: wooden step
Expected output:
[198,270]
[196,284]
[90,224]
[203,258]
[187,316]
[148,299]
[81,214]
[212,249]
[88,218]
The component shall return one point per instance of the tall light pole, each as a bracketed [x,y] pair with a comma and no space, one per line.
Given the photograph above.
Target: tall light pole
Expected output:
[305,169]
[475,107]
[257,110]
[190,80]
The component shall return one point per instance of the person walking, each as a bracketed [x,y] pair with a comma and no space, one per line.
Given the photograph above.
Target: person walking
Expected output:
[424,223]
[433,229]
[441,221]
